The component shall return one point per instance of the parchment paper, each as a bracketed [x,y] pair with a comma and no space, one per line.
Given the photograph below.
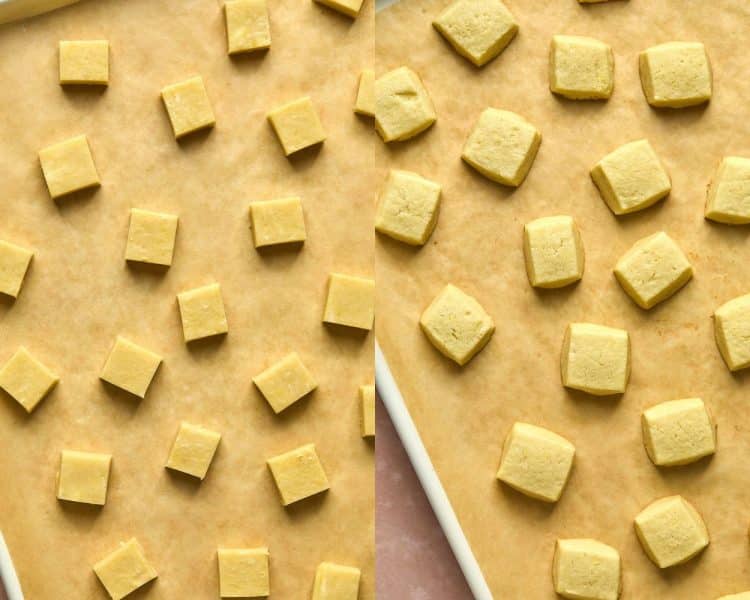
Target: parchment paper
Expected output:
[79,294]
[464,414]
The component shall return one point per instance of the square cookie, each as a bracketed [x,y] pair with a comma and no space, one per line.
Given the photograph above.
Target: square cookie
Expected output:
[732,332]
[202,312]
[83,477]
[297,125]
[477,29]
[408,207]
[502,146]
[676,74]
[456,324]
[298,474]
[678,432]
[68,167]
[403,107]
[193,450]
[243,572]
[350,301]
[130,367]
[585,568]
[151,237]
[595,359]
[367,410]
[554,251]
[350,8]
[631,178]
[14,261]
[188,106]
[336,582]
[581,68]
[248,27]
[728,198]
[26,379]
[84,62]
[277,222]
[285,382]
[365,101]
[536,462]
[124,570]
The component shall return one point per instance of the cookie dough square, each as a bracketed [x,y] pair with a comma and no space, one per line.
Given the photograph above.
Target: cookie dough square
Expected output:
[502,146]
[631,178]
[477,29]
[367,410]
[728,198]
[671,531]
[130,367]
[536,462]
[350,8]
[84,62]
[14,261]
[585,568]
[581,68]
[408,207]
[336,582]
[277,222]
[285,382]
[68,167]
[350,301]
[188,106]
[653,270]
[678,432]
[298,474]
[248,27]
[740,596]
[297,125]
[151,237]
[365,102]
[732,332]
[456,324]
[676,74]
[403,108]
[243,572]
[26,379]
[202,312]
[595,359]
[554,251]
[83,477]
[124,570]
[193,450]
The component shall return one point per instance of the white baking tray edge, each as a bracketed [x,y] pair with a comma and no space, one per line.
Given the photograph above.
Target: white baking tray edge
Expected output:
[8,577]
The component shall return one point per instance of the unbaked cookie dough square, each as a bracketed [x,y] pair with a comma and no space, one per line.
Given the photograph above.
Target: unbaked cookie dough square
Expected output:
[408,207]
[671,531]
[536,462]
[554,251]
[202,312]
[403,108]
[248,27]
[243,572]
[336,582]
[298,474]
[676,74]
[188,106]
[631,178]
[732,332]
[14,262]
[350,301]
[68,167]
[365,102]
[477,29]
[367,410]
[678,432]
[297,125]
[130,367]
[83,477]
[151,237]
[285,382]
[124,570]
[581,68]
[653,270]
[277,222]
[350,8]
[595,359]
[585,568]
[26,380]
[502,146]
[456,324]
[728,198]
[84,62]
[193,450]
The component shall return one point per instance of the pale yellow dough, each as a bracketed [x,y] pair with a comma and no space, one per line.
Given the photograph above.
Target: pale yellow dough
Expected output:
[188,106]
[502,146]
[408,207]
[732,332]
[653,270]
[678,432]
[367,410]
[477,29]
[193,450]
[581,68]
[14,262]
[297,125]
[298,474]
[350,8]
[68,167]
[130,367]
[243,572]
[403,107]
[285,382]
[84,62]
[554,252]
[335,582]
[595,359]
[83,477]
[728,198]
[671,531]
[248,27]
[202,312]
[279,221]
[350,301]
[365,101]
[151,237]
[124,570]
[585,569]
[740,596]
[536,462]
[676,74]
[26,379]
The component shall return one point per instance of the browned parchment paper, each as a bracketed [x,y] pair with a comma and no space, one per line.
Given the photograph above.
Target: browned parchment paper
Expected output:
[79,294]
[464,414]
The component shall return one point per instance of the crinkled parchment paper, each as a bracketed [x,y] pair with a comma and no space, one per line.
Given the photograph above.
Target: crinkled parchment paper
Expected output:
[79,294]
[464,414]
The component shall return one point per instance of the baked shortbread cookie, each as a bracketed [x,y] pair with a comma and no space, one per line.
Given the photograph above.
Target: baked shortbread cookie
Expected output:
[581,68]
[595,359]
[732,332]
[403,107]
[676,74]
[728,198]
[554,252]
[678,432]
[585,568]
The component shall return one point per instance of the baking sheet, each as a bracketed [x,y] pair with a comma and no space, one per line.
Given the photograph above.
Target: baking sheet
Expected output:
[79,294]
[463,415]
